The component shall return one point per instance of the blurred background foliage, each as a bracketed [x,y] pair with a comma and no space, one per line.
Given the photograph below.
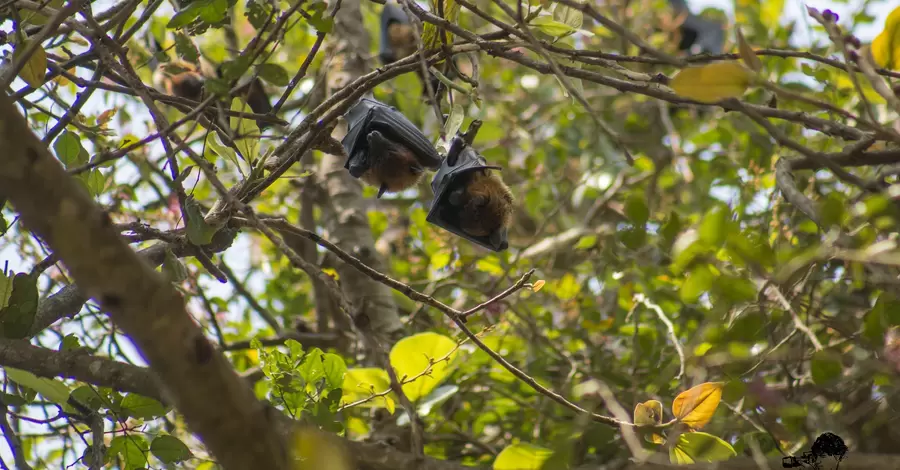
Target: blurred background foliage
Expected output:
[694,236]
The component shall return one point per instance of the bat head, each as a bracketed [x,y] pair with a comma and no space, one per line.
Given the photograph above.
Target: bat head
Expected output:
[186,85]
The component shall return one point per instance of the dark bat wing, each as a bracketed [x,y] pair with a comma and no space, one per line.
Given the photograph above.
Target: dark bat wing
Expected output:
[358,118]
[392,13]
[397,127]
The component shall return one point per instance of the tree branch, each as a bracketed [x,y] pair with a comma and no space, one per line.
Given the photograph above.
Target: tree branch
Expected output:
[215,402]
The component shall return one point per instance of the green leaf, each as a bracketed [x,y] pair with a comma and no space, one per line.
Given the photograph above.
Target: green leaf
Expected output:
[636,209]
[170,449]
[319,21]
[522,456]
[173,268]
[213,11]
[69,342]
[700,447]
[568,16]
[551,27]
[198,231]
[132,448]
[143,407]
[185,48]
[51,389]
[455,120]
[698,281]
[312,369]
[335,368]
[714,227]
[225,152]
[87,396]
[825,368]
[248,146]
[6,287]
[17,316]
[233,69]
[69,150]
[185,16]
[274,74]
[411,356]
[833,210]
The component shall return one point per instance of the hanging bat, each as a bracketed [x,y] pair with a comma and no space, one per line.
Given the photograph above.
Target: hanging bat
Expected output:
[399,41]
[397,37]
[385,149]
[470,199]
[708,35]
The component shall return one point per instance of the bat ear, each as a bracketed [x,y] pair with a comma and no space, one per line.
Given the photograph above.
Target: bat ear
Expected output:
[381,191]
[498,239]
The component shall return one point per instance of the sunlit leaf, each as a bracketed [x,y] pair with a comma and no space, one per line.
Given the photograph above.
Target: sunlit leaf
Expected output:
[696,406]
[886,46]
[51,389]
[413,355]
[522,456]
[713,82]
[551,27]
[315,450]
[649,412]
[700,447]
[361,383]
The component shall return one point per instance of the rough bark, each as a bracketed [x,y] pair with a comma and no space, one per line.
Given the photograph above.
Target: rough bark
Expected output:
[216,404]
[346,220]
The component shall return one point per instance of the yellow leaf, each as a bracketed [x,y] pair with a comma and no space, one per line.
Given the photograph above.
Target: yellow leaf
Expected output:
[316,450]
[332,273]
[35,69]
[538,285]
[430,37]
[649,412]
[695,407]
[713,82]
[106,116]
[886,46]
[747,54]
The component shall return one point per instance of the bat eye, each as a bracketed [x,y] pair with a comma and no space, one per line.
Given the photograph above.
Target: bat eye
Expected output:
[479,201]
[415,170]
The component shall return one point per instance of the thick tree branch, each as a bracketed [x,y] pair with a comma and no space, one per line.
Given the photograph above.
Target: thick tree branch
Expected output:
[215,402]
